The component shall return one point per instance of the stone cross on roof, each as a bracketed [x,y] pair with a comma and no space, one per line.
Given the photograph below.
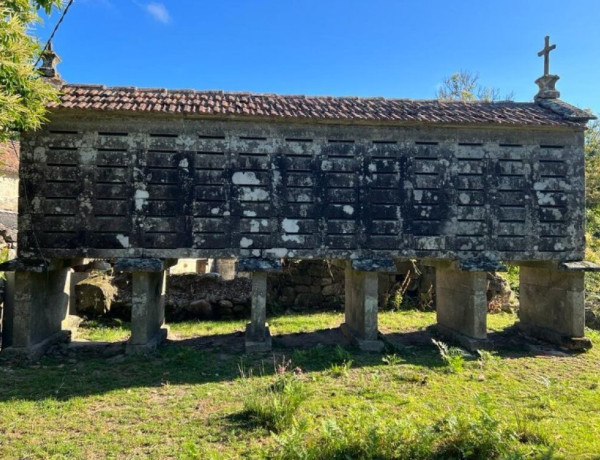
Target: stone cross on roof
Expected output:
[547,82]
[546,53]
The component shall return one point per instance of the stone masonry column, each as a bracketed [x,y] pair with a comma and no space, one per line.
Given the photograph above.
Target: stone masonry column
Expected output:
[148,279]
[461,305]
[552,304]
[147,311]
[258,336]
[361,305]
[38,306]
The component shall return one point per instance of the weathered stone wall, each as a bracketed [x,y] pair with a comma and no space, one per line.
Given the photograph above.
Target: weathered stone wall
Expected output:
[8,230]
[307,284]
[110,186]
[9,191]
[302,286]
[191,296]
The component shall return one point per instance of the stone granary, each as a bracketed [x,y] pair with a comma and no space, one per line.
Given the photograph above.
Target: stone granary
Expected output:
[147,176]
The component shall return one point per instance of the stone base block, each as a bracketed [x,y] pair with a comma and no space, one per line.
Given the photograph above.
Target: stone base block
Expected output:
[551,336]
[361,344]
[35,352]
[72,322]
[469,343]
[96,349]
[150,346]
[461,302]
[258,346]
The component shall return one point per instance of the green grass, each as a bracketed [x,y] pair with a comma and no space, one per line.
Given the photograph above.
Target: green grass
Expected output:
[274,406]
[190,403]
[107,330]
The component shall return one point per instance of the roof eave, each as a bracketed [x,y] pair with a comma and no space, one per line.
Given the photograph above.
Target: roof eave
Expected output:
[566,124]
[565,110]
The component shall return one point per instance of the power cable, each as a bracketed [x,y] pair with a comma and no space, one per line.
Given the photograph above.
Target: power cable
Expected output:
[62,17]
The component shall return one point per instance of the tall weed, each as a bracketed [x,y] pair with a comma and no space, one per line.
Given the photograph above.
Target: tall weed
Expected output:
[370,435]
[453,357]
[274,406]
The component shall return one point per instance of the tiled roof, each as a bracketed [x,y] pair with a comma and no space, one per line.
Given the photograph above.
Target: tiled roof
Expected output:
[218,103]
[9,156]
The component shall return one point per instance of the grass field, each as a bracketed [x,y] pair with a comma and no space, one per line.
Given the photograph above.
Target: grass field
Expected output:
[191,399]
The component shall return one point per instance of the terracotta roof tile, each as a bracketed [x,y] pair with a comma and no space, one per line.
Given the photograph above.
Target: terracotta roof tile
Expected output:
[375,109]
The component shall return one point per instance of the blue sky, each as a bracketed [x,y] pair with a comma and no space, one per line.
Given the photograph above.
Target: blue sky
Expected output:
[331,47]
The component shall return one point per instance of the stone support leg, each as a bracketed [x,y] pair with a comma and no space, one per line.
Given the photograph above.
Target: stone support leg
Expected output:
[34,318]
[462,306]
[361,304]
[147,311]
[552,305]
[258,337]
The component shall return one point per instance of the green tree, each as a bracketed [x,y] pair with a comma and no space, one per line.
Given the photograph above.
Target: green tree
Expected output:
[465,86]
[24,95]
[592,191]
[592,227]
[592,158]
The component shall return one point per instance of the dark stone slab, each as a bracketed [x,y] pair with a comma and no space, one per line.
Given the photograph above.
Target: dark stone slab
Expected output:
[374,265]
[259,265]
[580,266]
[25,265]
[139,265]
[481,265]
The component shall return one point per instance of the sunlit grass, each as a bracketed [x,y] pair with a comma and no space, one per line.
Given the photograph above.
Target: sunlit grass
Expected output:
[399,321]
[188,403]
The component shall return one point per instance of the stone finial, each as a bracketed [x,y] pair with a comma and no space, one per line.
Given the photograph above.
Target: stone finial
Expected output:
[547,82]
[49,61]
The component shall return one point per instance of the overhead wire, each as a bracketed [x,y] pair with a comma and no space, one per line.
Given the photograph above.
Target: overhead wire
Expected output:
[60,20]
[15,149]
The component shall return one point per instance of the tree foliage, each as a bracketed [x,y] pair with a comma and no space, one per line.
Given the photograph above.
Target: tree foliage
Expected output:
[23,94]
[465,86]
[592,158]
[592,191]
[592,196]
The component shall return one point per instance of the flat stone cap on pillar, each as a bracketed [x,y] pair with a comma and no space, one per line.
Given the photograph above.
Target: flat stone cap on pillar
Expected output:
[25,265]
[259,265]
[142,265]
[374,265]
[579,266]
[481,265]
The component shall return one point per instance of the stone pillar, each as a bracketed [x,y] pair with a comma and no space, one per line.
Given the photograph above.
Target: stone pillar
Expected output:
[361,303]
[225,268]
[147,311]
[552,304]
[461,305]
[38,306]
[258,337]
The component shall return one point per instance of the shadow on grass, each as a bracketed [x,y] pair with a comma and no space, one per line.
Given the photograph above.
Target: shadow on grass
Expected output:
[218,358]
[189,361]
[242,421]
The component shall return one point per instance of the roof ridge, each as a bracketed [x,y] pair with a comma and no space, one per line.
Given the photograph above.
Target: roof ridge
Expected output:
[287,96]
